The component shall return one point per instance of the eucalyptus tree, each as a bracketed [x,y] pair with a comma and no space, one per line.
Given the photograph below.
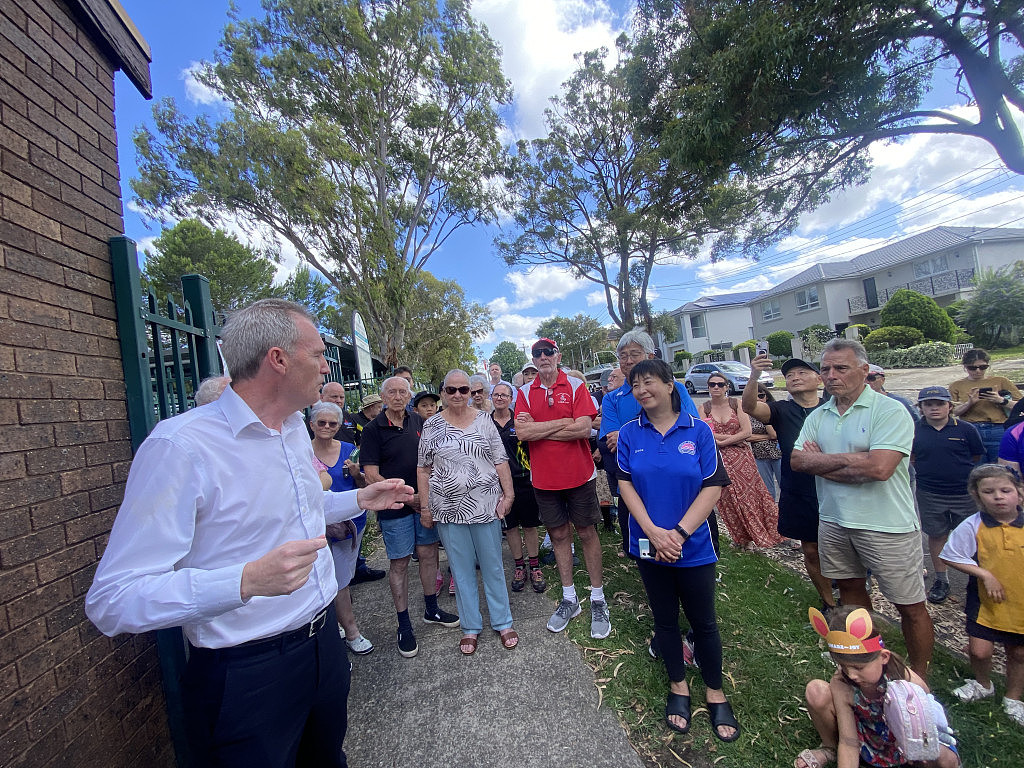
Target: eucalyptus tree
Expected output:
[362,132]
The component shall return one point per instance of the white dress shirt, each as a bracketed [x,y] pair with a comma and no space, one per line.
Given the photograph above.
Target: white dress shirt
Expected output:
[209,491]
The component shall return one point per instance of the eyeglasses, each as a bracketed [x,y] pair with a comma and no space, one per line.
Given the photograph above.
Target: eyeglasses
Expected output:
[976,367]
[717,384]
[875,376]
[546,352]
[499,394]
[475,392]
[327,423]
[631,356]
[460,390]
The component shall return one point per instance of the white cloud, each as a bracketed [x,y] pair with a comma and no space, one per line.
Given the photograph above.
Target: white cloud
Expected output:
[519,329]
[595,299]
[541,284]
[539,39]
[195,91]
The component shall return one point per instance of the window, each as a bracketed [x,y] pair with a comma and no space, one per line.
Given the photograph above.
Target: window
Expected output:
[722,345]
[697,328]
[771,310]
[932,266]
[807,299]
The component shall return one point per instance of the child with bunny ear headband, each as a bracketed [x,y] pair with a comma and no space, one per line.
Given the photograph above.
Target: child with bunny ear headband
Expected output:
[847,710]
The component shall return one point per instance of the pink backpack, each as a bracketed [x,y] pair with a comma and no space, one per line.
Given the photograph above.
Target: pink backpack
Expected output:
[915,720]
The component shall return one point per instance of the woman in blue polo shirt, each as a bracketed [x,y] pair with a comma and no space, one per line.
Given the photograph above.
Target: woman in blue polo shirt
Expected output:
[670,477]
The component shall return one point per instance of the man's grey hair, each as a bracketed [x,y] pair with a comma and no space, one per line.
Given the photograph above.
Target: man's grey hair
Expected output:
[252,331]
[636,336]
[211,388]
[325,406]
[460,372]
[839,344]
[384,384]
[483,381]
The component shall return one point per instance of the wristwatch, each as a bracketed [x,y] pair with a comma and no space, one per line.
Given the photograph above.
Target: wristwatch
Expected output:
[681,532]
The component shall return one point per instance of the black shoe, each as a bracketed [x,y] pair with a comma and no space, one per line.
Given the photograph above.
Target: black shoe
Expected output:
[939,592]
[443,618]
[548,558]
[367,574]
[407,643]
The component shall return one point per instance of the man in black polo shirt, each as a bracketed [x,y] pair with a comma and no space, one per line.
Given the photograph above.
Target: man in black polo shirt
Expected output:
[389,448]
[798,500]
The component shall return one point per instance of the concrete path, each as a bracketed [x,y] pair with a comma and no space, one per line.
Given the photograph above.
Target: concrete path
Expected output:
[535,705]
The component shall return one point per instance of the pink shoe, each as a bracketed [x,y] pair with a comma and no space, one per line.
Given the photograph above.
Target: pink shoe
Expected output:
[451,586]
[440,582]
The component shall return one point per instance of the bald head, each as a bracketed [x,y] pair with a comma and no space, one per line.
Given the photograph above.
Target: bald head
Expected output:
[333,392]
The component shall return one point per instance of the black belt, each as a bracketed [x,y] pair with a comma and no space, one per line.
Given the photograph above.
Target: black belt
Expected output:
[276,643]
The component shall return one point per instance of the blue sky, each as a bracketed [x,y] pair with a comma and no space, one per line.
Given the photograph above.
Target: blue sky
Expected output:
[917,184]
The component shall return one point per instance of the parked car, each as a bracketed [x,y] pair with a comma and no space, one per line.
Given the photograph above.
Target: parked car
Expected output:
[735,373]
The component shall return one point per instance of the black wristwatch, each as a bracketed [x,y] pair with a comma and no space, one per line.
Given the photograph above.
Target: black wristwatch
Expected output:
[681,532]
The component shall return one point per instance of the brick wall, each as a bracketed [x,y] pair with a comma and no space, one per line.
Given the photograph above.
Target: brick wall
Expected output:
[68,695]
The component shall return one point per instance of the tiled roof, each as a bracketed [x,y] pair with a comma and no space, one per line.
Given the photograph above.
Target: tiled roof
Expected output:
[718,301]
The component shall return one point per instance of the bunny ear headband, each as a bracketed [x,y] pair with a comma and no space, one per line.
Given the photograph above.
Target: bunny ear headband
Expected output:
[854,640]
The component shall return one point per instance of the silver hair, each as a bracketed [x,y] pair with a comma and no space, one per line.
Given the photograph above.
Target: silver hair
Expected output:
[384,384]
[478,379]
[211,388]
[325,405]
[839,344]
[454,371]
[252,331]
[636,336]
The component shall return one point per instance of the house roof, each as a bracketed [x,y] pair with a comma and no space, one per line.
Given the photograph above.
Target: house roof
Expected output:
[717,302]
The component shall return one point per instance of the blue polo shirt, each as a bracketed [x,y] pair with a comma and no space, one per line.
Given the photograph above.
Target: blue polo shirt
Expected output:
[945,457]
[619,406]
[668,471]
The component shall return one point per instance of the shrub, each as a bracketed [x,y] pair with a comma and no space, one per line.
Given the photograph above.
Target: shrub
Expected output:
[862,329]
[930,355]
[750,344]
[682,356]
[779,343]
[913,309]
[893,337]
[815,337]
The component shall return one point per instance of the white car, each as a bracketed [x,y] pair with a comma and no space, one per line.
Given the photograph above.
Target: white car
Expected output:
[735,373]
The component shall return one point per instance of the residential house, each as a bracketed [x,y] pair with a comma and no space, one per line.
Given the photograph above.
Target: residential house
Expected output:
[713,322]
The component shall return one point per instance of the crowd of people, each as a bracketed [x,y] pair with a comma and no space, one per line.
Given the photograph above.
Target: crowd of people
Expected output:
[261,516]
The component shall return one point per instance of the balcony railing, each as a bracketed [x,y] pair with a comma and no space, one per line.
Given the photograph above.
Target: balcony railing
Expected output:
[938,285]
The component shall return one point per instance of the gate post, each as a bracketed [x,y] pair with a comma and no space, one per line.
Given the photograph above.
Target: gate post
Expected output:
[196,291]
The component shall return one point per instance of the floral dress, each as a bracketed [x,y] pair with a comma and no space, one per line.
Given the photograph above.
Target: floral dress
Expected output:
[877,747]
[749,512]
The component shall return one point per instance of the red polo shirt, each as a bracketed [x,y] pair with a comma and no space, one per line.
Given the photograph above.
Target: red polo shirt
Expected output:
[557,465]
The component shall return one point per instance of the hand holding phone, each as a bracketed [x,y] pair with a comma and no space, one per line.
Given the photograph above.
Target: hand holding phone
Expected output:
[647,552]
[761,347]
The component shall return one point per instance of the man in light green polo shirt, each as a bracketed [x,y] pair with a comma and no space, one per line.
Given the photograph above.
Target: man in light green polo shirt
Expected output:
[857,445]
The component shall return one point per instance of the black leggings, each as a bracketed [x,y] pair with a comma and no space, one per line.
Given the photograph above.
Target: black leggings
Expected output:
[668,587]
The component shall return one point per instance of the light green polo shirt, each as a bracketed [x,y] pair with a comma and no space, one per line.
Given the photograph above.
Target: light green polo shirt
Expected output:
[873,422]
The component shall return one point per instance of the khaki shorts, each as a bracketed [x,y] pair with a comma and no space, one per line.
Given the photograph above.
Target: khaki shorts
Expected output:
[578,505]
[896,560]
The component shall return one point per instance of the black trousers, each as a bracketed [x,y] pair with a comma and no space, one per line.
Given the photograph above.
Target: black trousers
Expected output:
[280,705]
[694,588]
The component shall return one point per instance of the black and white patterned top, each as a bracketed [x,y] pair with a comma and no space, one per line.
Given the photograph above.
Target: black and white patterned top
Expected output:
[464,486]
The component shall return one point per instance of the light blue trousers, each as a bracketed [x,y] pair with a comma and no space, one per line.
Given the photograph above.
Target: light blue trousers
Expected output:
[466,545]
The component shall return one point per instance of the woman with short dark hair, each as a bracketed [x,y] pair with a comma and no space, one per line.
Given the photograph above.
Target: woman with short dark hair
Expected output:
[984,400]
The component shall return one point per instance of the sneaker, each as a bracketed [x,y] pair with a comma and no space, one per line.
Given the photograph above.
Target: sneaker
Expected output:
[367,574]
[407,643]
[537,580]
[566,610]
[1014,709]
[443,618]
[341,631]
[939,592]
[600,624]
[518,580]
[360,646]
[972,690]
[451,585]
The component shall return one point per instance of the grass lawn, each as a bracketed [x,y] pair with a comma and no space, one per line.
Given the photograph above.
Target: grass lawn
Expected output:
[1009,352]
[770,654]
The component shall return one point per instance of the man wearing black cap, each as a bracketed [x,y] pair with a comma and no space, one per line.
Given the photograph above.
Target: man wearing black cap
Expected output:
[798,501]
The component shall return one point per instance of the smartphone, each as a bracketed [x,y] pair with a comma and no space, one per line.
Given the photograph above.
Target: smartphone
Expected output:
[985,389]
[647,552]
[761,347]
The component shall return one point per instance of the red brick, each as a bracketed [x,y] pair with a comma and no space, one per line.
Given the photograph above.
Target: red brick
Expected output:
[80,433]
[60,510]
[25,548]
[19,493]
[26,438]
[44,361]
[51,460]
[78,389]
[12,466]
[17,581]
[47,656]
[48,411]
[66,561]
[40,314]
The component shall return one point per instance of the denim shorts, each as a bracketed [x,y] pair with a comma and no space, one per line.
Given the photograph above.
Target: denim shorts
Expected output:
[403,534]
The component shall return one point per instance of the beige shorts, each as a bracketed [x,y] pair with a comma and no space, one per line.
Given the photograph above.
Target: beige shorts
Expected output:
[896,560]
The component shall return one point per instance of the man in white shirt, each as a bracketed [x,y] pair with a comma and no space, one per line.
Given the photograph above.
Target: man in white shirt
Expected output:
[222,532]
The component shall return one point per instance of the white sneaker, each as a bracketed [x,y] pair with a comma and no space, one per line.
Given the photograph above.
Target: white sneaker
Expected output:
[1014,709]
[360,646]
[972,690]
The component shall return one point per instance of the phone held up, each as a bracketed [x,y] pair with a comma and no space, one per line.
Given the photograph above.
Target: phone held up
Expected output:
[761,348]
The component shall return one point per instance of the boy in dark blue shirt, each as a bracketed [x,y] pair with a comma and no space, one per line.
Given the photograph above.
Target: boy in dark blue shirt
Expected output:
[945,451]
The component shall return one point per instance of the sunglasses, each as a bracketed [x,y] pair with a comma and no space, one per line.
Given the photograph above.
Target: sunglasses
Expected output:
[976,367]
[460,390]
[327,423]
[475,392]
[546,352]
[875,376]
[551,400]
[717,384]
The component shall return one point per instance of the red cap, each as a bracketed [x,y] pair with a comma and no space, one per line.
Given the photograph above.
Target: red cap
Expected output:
[539,342]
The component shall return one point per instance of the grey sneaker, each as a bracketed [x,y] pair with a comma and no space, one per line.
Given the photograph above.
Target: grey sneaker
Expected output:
[600,624]
[972,690]
[567,609]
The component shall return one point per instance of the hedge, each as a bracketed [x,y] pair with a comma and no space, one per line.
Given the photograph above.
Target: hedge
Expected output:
[930,355]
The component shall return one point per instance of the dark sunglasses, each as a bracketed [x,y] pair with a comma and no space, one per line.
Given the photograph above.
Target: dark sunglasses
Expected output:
[875,376]
[717,384]
[476,392]
[977,367]
[460,390]
[327,423]
[546,352]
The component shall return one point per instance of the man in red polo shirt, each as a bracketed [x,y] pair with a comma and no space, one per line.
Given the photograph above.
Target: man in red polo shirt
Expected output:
[554,414]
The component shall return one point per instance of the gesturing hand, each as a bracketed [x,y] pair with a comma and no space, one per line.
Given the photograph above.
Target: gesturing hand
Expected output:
[282,570]
[386,494]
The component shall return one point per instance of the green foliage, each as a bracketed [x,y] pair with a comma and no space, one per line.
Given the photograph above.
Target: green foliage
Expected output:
[510,357]
[361,134]
[815,337]
[994,313]
[862,329]
[916,310]
[930,355]
[779,343]
[893,337]
[682,356]
[238,275]
[666,324]
[750,344]
[578,337]
[308,289]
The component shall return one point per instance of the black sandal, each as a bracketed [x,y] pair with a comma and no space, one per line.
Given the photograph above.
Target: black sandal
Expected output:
[678,704]
[721,715]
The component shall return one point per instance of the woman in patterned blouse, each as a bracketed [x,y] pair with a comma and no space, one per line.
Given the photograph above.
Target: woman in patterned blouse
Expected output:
[465,487]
